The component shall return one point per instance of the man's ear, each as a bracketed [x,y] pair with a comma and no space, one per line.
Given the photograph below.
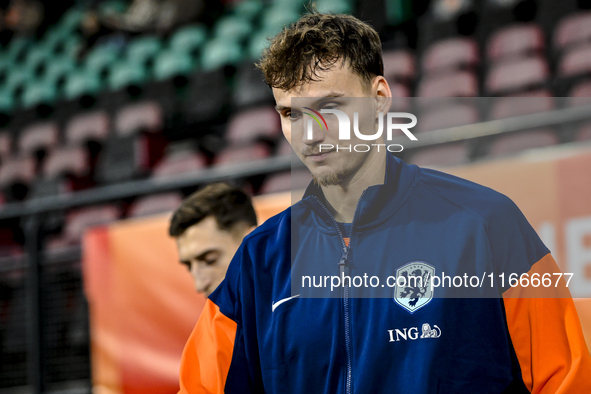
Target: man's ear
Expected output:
[382,93]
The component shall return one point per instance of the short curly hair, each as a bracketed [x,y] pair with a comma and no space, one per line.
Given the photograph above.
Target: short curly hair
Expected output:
[315,43]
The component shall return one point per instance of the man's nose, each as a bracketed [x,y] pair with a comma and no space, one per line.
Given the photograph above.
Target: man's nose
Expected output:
[313,133]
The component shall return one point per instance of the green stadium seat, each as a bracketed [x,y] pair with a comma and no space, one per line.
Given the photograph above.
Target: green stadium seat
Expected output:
[38,55]
[143,48]
[6,101]
[171,63]
[17,77]
[122,75]
[335,6]
[71,19]
[38,92]
[218,53]
[258,43]
[81,83]
[248,9]
[16,47]
[275,18]
[232,27]
[70,46]
[58,68]
[101,58]
[189,38]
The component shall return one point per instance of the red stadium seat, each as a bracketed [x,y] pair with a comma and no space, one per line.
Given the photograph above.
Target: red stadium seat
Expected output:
[517,75]
[39,136]
[283,148]
[451,53]
[78,220]
[507,107]
[5,144]
[253,124]
[457,84]
[241,154]
[152,205]
[71,160]
[580,94]
[17,169]
[450,115]
[400,97]
[88,126]
[584,133]
[576,62]
[399,66]
[178,163]
[146,116]
[509,144]
[572,30]
[516,40]
[288,180]
[445,155]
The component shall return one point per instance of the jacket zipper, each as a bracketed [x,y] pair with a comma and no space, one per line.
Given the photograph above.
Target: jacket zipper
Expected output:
[344,269]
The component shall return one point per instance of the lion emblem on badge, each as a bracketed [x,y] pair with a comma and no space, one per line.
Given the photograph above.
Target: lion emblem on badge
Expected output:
[413,285]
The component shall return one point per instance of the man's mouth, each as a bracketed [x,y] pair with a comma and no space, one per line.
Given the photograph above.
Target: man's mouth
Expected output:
[319,156]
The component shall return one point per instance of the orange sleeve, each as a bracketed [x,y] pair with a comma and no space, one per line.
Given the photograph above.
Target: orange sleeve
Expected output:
[208,353]
[547,336]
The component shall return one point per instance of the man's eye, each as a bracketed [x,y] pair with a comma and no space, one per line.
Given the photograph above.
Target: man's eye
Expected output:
[211,262]
[330,105]
[293,115]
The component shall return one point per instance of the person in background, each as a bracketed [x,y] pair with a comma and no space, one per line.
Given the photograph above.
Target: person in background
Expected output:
[208,228]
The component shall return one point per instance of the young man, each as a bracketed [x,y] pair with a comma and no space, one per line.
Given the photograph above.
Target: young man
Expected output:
[208,228]
[370,211]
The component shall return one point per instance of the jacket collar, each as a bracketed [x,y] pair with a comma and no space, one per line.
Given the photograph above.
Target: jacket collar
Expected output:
[377,204]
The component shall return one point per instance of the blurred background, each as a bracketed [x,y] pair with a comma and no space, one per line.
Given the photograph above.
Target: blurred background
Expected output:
[118,109]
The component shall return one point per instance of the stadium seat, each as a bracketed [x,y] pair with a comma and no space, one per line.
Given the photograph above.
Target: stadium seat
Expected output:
[242,154]
[145,116]
[15,169]
[584,133]
[401,100]
[580,94]
[252,125]
[189,38]
[198,107]
[277,16]
[179,162]
[257,43]
[18,77]
[5,144]
[512,143]
[156,204]
[444,155]
[248,9]
[101,58]
[7,101]
[576,62]
[451,53]
[285,181]
[37,56]
[572,30]
[335,6]
[38,136]
[516,40]
[218,53]
[125,74]
[250,88]
[172,63]
[506,107]
[445,116]
[59,68]
[39,92]
[455,84]
[517,75]
[90,126]
[232,27]
[70,160]
[82,82]
[399,66]
[143,49]
[283,148]
[122,159]
[78,220]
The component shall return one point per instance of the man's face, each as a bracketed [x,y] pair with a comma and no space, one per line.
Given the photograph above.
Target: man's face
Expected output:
[207,251]
[336,89]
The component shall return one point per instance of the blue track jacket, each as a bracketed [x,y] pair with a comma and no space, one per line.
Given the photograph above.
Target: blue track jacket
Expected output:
[256,336]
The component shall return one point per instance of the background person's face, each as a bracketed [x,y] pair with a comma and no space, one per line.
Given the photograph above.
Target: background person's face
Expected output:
[337,89]
[207,251]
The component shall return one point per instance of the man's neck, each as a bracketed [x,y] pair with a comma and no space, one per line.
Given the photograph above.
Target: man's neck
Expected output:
[343,198]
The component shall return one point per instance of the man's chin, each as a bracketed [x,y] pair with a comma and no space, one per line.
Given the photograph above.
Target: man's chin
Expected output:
[332,179]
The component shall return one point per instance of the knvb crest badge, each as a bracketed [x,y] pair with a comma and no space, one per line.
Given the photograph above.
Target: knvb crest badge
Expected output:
[413,285]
